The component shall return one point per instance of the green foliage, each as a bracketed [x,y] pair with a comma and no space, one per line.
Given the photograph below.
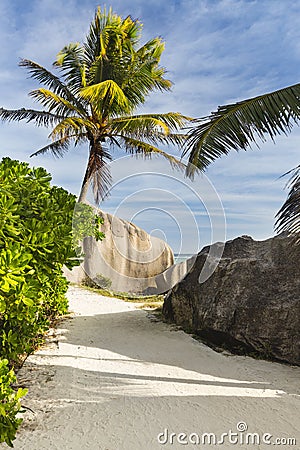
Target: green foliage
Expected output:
[144,300]
[288,217]
[237,126]
[37,238]
[35,242]
[9,404]
[86,223]
[94,98]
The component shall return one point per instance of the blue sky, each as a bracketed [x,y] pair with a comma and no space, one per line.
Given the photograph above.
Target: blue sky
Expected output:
[217,51]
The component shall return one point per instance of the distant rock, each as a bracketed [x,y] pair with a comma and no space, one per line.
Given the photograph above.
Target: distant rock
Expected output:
[251,303]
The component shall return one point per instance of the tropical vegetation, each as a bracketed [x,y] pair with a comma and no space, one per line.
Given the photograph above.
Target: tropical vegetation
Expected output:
[237,126]
[37,237]
[95,96]
[10,404]
[94,99]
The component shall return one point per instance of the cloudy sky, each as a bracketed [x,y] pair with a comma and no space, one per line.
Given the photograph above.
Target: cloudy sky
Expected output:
[217,51]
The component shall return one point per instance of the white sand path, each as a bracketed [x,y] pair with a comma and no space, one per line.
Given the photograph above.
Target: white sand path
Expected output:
[115,379]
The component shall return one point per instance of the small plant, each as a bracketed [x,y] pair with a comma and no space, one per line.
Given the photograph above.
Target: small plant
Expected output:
[99,281]
[9,404]
[146,301]
[86,223]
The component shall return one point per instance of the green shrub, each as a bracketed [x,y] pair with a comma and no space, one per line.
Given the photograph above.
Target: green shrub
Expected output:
[9,404]
[35,242]
[37,237]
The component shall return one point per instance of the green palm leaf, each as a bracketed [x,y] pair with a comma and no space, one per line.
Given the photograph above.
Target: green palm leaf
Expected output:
[41,118]
[60,146]
[93,99]
[288,217]
[72,65]
[237,126]
[55,102]
[98,36]
[168,121]
[146,150]
[57,148]
[75,126]
[138,125]
[142,73]
[156,128]
[105,96]
[49,79]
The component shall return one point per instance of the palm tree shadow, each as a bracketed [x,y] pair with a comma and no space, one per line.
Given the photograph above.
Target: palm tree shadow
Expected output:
[121,371]
[127,348]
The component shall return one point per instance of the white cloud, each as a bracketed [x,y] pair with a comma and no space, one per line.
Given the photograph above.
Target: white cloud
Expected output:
[217,51]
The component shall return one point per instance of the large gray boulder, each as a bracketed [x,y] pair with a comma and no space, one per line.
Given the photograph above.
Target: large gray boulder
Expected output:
[251,303]
[128,259]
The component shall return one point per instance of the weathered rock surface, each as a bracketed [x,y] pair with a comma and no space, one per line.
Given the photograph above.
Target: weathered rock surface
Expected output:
[250,304]
[128,259]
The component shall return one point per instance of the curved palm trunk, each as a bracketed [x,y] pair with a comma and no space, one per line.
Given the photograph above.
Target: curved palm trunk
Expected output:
[86,181]
[84,189]
[86,242]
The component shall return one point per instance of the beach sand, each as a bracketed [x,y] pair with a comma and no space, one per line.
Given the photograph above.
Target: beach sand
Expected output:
[113,377]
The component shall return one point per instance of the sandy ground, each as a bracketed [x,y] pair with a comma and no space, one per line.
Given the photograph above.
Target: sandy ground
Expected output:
[114,378]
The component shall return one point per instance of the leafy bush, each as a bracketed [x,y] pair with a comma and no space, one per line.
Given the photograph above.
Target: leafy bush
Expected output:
[37,237]
[9,404]
[85,223]
[35,242]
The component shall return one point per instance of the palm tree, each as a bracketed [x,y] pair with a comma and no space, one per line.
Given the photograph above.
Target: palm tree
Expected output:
[237,126]
[95,96]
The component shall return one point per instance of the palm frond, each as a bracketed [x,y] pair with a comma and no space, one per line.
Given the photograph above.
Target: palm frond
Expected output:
[75,126]
[146,150]
[110,35]
[105,96]
[237,126]
[41,118]
[47,78]
[55,102]
[141,73]
[295,171]
[169,121]
[140,81]
[57,148]
[288,217]
[156,129]
[153,47]
[138,125]
[97,38]
[72,64]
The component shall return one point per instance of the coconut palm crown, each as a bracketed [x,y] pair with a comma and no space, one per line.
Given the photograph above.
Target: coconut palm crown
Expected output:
[95,96]
[237,126]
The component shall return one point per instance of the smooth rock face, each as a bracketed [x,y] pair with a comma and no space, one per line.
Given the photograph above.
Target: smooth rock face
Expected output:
[128,259]
[251,302]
